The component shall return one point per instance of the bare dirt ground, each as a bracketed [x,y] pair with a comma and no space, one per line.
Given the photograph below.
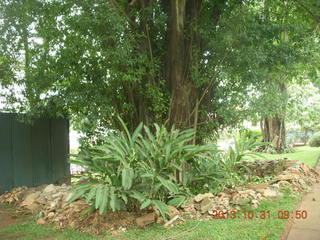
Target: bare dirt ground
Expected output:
[9,216]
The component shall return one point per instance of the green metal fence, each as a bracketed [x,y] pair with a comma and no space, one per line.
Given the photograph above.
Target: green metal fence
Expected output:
[31,155]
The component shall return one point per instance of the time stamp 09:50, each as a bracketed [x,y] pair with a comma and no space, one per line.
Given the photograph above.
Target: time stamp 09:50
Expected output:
[280,214]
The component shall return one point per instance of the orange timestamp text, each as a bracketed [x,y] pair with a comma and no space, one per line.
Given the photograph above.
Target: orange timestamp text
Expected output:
[239,214]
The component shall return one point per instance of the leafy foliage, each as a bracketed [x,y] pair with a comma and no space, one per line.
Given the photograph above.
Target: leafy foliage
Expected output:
[93,60]
[156,168]
[251,134]
[138,169]
[303,109]
[314,141]
[218,170]
[241,150]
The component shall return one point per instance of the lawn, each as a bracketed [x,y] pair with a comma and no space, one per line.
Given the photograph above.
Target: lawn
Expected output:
[32,231]
[306,154]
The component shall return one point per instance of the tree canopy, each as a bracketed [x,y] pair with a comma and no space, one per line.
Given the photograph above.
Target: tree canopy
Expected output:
[190,63]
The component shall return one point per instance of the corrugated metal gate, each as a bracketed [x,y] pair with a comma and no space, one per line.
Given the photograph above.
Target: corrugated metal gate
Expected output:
[31,155]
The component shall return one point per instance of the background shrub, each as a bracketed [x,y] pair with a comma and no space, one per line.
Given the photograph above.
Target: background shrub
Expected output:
[251,135]
[314,141]
[218,170]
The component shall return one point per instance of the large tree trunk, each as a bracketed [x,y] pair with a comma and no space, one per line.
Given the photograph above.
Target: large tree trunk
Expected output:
[274,131]
[273,128]
[183,52]
[182,41]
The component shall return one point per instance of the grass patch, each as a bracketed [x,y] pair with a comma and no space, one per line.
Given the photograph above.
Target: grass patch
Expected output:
[306,154]
[28,231]
[226,229]
[6,205]
[31,231]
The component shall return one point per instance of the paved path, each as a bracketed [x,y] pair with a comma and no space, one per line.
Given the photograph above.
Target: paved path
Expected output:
[309,228]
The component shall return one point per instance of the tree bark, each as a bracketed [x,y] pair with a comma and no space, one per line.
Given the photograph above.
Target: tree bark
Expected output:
[182,39]
[274,131]
[273,128]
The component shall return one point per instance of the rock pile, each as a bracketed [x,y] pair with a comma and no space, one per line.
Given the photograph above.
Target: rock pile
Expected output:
[16,195]
[265,168]
[50,204]
[291,174]
[205,205]
[43,198]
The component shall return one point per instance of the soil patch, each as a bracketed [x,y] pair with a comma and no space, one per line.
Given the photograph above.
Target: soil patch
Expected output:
[9,216]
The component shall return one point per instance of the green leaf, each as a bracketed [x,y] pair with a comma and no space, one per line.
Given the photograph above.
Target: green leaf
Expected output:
[91,194]
[124,198]
[88,211]
[178,201]
[161,206]
[99,196]
[104,200]
[127,178]
[137,195]
[169,185]
[145,204]
[113,199]
[79,191]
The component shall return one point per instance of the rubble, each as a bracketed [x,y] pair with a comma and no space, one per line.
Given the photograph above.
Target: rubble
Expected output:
[172,212]
[259,187]
[287,174]
[146,219]
[49,202]
[271,193]
[200,197]
[265,168]
[171,221]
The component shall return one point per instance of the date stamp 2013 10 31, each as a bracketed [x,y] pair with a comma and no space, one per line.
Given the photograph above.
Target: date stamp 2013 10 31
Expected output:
[264,214]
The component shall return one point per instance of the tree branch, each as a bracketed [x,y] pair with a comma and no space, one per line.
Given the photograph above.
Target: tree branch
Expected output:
[317,18]
[116,4]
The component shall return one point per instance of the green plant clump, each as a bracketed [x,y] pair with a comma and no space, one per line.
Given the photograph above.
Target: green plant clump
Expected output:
[155,168]
[314,141]
[250,134]
[142,169]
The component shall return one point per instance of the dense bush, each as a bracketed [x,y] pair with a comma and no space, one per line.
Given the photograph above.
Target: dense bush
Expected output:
[314,141]
[155,168]
[225,168]
[250,135]
[143,169]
